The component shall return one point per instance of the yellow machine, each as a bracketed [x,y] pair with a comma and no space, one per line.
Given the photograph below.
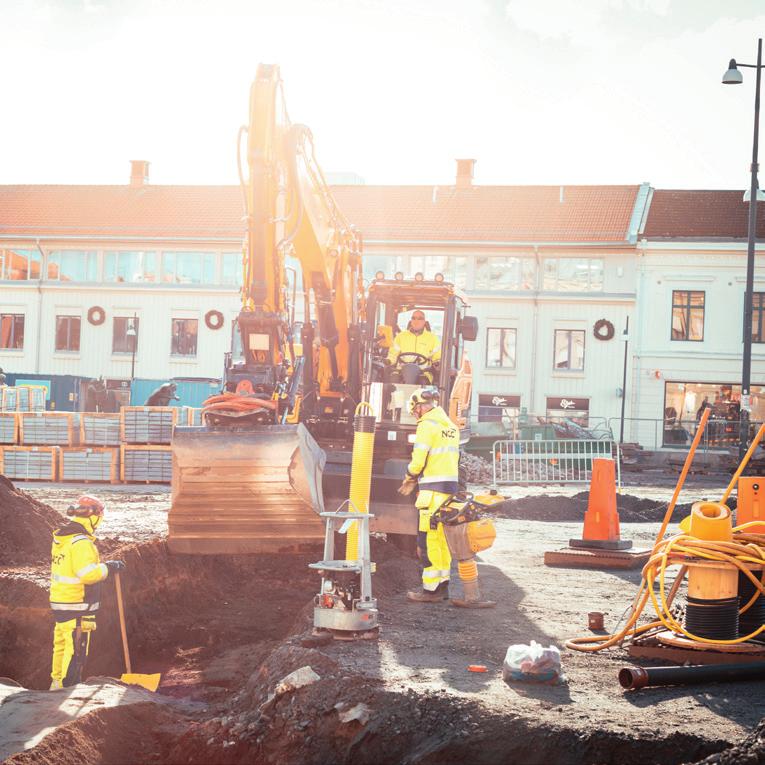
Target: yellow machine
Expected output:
[277,442]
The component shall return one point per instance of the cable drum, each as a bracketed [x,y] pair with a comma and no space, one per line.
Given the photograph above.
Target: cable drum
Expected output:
[754,616]
[214,319]
[712,619]
[603,329]
[96,315]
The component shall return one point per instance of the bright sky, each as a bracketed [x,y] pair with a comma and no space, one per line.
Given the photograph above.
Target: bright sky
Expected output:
[539,91]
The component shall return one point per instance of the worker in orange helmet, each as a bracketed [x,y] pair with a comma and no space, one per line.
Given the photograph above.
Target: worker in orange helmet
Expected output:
[76,574]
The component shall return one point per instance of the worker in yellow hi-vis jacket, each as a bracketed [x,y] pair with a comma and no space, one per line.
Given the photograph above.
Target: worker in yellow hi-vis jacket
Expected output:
[76,574]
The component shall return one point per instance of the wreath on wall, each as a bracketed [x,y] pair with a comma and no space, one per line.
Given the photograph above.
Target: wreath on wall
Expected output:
[214,319]
[603,329]
[96,315]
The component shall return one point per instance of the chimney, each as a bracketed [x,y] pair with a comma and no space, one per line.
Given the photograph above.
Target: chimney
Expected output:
[139,172]
[465,173]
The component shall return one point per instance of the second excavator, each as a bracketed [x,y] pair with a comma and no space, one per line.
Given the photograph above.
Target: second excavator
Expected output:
[308,345]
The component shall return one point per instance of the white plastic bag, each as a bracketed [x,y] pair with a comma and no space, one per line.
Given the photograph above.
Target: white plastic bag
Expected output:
[532,664]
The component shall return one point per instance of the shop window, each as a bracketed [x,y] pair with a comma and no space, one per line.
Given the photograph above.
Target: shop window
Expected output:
[569,350]
[688,315]
[20,265]
[575,409]
[188,267]
[231,269]
[505,273]
[11,331]
[500,348]
[72,266]
[68,333]
[125,334]
[130,266]
[184,337]
[758,317]
[573,274]
[454,269]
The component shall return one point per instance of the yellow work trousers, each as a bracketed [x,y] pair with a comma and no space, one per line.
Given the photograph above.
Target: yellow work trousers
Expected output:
[434,551]
[71,643]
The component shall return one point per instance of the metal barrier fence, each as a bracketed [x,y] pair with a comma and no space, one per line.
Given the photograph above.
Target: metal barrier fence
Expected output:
[657,433]
[559,461]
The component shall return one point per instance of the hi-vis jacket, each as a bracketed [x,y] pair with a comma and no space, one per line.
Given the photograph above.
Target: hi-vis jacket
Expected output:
[75,570]
[436,453]
[425,343]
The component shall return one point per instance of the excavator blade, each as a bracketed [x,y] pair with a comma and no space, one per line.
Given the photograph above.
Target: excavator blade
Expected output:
[245,491]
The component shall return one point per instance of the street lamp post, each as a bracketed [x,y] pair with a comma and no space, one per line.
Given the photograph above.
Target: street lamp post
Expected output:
[132,333]
[734,77]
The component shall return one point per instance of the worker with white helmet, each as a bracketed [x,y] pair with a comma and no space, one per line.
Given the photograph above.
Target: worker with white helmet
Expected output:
[76,574]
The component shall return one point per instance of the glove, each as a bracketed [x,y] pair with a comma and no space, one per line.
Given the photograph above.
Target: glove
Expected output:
[408,485]
[115,566]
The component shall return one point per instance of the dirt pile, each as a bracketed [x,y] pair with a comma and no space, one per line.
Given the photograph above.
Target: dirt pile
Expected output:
[751,751]
[25,526]
[559,508]
[474,469]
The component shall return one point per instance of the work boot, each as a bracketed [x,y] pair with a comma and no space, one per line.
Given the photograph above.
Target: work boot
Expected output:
[472,597]
[426,596]
[56,685]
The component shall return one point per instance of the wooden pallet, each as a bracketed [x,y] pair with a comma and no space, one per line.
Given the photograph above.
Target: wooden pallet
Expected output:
[655,648]
[147,424]
[9,428]
[32,423]
[145,463]
[570,557]
[89,464]
[100,428]
[30,463]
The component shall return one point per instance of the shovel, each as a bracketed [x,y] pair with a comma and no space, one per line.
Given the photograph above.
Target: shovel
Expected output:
[150,682]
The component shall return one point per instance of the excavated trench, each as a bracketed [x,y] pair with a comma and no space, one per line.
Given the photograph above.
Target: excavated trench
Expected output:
[224,631]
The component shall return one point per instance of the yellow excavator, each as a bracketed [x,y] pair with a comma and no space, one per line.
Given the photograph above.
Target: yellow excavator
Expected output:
[275,447]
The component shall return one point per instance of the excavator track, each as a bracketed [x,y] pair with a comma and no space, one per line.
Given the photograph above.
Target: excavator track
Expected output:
[245,491]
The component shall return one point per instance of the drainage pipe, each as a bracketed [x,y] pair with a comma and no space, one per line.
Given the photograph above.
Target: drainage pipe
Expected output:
[633,678]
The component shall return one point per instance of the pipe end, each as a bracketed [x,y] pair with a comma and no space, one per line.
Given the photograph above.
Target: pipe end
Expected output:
[632,678]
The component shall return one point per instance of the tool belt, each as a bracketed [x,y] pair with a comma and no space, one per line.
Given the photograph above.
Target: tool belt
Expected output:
[466,532]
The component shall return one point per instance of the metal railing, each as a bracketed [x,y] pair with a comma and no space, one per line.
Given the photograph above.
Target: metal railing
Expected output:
[559,427]
[657,433]
[558,461]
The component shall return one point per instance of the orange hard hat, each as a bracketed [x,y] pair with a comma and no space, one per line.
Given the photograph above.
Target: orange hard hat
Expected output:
[87,504]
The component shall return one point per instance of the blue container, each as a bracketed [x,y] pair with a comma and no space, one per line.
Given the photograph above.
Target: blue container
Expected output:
[191,391]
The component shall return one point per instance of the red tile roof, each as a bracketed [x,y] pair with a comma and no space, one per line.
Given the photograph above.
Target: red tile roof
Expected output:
[700,215]
[417,213]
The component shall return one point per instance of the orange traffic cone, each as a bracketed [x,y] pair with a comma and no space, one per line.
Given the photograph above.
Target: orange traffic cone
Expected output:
[751,503]
[601,521]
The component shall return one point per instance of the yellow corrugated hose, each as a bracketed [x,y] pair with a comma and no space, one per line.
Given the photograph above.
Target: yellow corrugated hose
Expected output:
[361,473]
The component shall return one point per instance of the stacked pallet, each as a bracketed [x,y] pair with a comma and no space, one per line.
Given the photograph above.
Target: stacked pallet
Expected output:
[25,463]
[85,464]
[22,398]
[100,428]
[146,463]
[147,424]
[9,428]
[193,416]
[46,428]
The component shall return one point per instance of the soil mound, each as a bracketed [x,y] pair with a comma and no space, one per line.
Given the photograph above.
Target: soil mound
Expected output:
[750,751]
[26,526]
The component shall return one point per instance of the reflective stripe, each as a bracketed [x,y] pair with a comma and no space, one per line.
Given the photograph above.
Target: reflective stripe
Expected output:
[79,538]
[90,567]
[439,479]
[422,445]
[65,579]
[72,606]
[444,449]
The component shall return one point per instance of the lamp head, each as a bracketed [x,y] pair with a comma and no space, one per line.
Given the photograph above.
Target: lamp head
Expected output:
[732,76]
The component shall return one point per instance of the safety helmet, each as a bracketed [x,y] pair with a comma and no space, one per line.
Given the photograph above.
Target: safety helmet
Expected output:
[88,506]
[428,395]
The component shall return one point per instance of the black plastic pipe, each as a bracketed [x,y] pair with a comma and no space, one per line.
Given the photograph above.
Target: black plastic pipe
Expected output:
[633,678]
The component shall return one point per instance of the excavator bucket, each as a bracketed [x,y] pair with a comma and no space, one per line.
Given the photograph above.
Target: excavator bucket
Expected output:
[245,491]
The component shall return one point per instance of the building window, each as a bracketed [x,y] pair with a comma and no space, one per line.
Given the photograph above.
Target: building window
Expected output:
[505,273]
[130,266]
[20,265]
[184,337]
[125,334]
[188,267]
[11,330]
[68,333]
[687,315]
[500,348]
[72,266]
[573,275]
[571,408]
[231,269]
[758,317]
[569,350]
[454,269]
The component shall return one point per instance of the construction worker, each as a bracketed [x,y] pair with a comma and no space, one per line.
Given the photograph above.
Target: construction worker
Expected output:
[435,466]
[417,338]
[76,574]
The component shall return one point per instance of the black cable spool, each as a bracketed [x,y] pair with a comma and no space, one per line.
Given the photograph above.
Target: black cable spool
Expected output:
[754,616]
[712,619]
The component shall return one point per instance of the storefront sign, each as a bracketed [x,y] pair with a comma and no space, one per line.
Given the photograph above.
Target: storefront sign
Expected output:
[566,403]
[496,399]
